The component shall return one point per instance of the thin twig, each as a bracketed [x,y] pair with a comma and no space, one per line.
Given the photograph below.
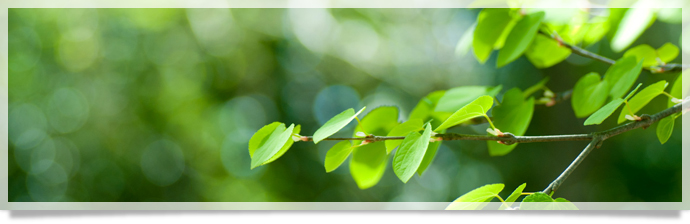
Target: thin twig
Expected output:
[599,137]
[588,54]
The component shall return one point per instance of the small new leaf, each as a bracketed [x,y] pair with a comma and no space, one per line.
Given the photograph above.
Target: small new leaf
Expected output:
[272,145]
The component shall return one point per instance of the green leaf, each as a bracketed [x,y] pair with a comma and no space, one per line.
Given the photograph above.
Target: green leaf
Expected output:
[608,109]
[589,94]
[519,38]
[604,112]
[402,130]
[285,147]
[425,108]
[541,201]
[512,115]
[513,196]
[676,90]
[477,198]
[490,25]
[632,24]
[622,75]
[643,52]
[272,145]
[261,136]
[337,155]
[642,99]
[465,41]
[410,154]
[379,121]
[428,157]
[335,124]
[458,97]
[667,52]
[368,164]
[476,108]
[545,52]
[595,30]
[665,128]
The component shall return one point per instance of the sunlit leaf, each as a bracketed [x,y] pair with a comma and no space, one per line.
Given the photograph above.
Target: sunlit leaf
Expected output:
[379,121]
[287,145]
[595,30]
[428,157]
[667,52]
[520,38]
[368,164]
[641,99]
[272,145]
[337,155]
[513,196]
[541,201]
[402,130]
[490,25]
[458,97]
[622,75]
[476,108]
[261,136]
[477,198]
[641,52]
[589,94]
[512,115]
[335,124]
[545,52]
[410,154]
[633,23]
[608,109]
[665,128]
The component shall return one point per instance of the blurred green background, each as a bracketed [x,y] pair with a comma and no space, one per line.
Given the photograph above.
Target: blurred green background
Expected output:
[159,105]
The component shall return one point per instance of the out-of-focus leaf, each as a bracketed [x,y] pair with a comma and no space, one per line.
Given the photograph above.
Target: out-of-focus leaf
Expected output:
[458,97]
[477,198]
[642,99]
[513,196]
[337,155]
[512,115]
[670,15]
[665,128]
[631,26]
[520,38]
[368,164]
[335,124]
[643,52]
[379,121]
[490,25]
[676,90]
[410,154]
[402,130]
[465,42]
[595,30]
[529,91]
[476,108]
[622,75]
[589,94]
[545,52]
[425,109]
[272,145]
[667,52]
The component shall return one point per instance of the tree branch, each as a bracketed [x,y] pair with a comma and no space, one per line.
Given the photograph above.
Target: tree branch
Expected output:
[588,54]
[599,137]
